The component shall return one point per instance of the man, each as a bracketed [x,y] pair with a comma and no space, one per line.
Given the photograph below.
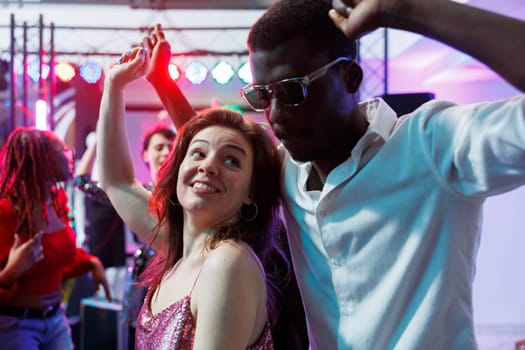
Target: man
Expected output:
[156,146]
[383,214]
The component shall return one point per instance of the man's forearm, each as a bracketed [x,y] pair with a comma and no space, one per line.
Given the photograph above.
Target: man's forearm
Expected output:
[496,40]
[178,107]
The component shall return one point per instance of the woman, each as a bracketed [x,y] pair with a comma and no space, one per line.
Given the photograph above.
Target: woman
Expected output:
[37,244]
[212,223]
[289,332]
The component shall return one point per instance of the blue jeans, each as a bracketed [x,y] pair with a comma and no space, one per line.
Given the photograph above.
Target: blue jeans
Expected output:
[52,333]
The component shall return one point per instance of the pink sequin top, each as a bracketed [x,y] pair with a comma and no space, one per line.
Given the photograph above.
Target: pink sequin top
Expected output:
[173,329]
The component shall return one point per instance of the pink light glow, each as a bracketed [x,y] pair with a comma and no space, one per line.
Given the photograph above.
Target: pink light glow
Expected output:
[41,115]
[417,60]
[463,74]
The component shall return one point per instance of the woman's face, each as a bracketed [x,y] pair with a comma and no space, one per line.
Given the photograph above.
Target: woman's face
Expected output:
[215,176]
[64,158]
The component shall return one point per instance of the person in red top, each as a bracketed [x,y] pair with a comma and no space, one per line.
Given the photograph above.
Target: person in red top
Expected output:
[37,244]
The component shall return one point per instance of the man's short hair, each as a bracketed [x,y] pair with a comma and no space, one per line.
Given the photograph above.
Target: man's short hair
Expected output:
[162,129]
[288,19]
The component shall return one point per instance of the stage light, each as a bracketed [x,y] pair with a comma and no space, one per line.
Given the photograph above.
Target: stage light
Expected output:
[33,71]
[91,72]
[222,73]
[65,71]
[174,71]
[196,72]
[41,115]
[245,73]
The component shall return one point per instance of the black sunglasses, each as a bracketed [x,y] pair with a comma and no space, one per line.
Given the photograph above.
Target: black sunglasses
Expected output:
[291,92]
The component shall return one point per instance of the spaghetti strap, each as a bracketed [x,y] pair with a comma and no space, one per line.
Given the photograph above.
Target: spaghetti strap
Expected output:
[196,279]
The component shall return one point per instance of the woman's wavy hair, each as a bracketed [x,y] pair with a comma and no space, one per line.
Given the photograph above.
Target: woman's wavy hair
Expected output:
[262,233]
[29,172]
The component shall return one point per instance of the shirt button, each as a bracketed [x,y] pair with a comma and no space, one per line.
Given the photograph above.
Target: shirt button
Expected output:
[336,262]
[347,308]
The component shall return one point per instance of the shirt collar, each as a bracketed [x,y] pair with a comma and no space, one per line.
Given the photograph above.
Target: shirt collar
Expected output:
[382,120]
[381,117]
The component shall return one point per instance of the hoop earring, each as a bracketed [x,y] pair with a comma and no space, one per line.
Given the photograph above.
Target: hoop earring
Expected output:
[250,212]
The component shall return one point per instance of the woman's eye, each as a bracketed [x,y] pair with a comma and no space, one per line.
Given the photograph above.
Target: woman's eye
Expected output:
[196,154]
[232,161]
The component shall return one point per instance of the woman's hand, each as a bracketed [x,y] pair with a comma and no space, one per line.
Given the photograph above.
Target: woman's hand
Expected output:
[99,276]
[22,256]
[132,65]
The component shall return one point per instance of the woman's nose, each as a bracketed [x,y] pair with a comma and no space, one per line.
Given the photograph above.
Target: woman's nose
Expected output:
[208,167]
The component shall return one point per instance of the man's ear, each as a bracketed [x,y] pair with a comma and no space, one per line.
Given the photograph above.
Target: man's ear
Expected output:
[145,158]
[353,76]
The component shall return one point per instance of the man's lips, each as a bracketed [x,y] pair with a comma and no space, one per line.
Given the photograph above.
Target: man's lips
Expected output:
[289,138]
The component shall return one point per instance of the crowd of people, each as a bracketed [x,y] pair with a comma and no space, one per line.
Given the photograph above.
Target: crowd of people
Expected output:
[382,213]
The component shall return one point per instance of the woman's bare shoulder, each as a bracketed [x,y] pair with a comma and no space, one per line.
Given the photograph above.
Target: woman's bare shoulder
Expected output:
[233,259]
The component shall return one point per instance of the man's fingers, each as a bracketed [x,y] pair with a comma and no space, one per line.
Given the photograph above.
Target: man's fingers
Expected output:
[158,31]
[341,7]
[147,43]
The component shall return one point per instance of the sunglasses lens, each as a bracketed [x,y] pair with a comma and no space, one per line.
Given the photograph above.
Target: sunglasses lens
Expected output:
[289,92]
[257,97]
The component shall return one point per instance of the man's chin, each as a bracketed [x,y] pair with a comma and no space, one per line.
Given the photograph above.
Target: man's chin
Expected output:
[299,155]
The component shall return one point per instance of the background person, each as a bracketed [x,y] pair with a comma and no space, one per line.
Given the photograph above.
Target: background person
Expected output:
[105,229]
[37,244]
